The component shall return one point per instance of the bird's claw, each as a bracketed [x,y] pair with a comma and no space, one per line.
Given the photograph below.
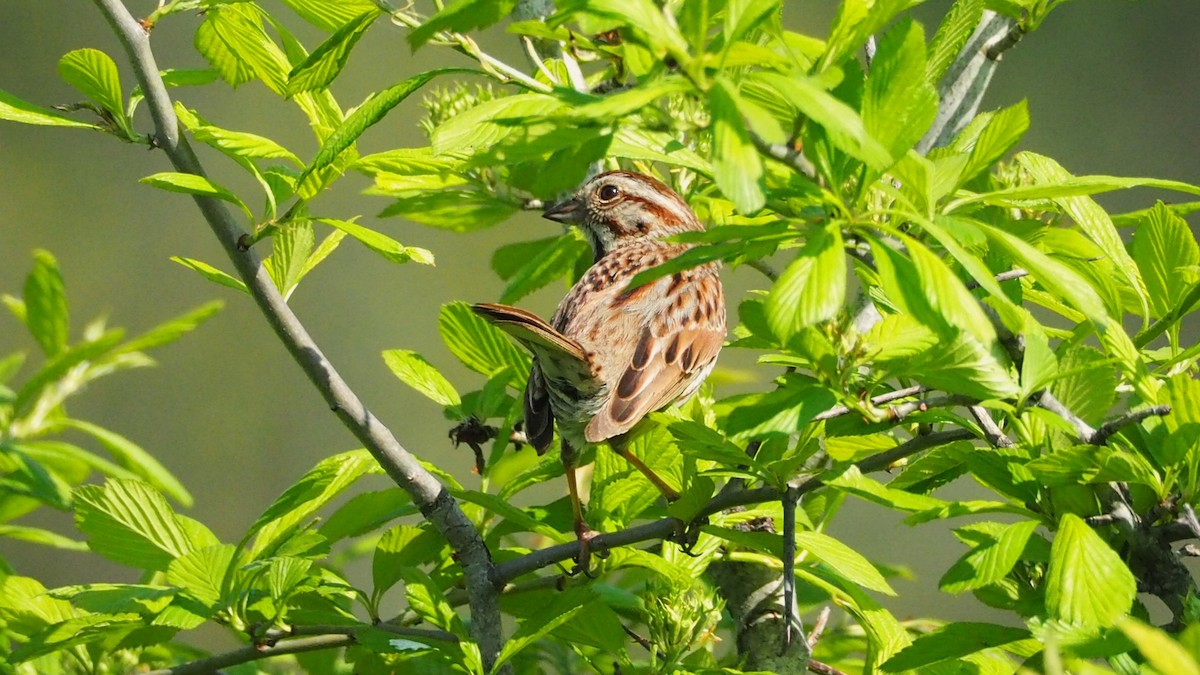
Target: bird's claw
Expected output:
[583,559]
[687,535]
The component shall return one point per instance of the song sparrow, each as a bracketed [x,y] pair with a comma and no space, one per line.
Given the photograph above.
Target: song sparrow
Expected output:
[610,355]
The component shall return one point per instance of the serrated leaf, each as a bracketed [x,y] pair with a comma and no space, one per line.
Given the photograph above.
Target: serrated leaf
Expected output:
[212,274]
[1168,257]
[550,262]
[45,297]
[314,490]
[454,210]
[812,288]
[1001,134]
[329,58]
[487,124]
[647,24]
[202,572]
[130,456]
[329,16]
[784,410]
[291,247]
[564,608]
[25,607]
[989,562]
[58,365]
[365,512]
[1082,464]
[1087,583]
[14,109]
[952,641]
[94,74]
[416,372]
[103,598]
[402,547]
[381,243]
[460,16]
[130,523]
[427,600]
[479,345]
[958,25]
[899,103]
[233,40]
[841,122]
[656,146]
[843,560]
[1087,383]
[188,183]
[737,168]
[241,144]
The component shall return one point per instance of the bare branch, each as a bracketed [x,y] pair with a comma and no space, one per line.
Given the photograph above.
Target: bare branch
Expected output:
[427,492]
[823,669]
[250,653]
[782,152]
[991,430]
[1106,430]
[1015,273]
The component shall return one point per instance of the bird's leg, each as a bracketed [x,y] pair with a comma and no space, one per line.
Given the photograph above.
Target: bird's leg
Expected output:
[584,533]
[622,449]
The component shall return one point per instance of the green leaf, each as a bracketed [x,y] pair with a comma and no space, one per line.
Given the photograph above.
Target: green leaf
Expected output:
[555,261]
[1001,134]
[130,523]
[841,122]
[783,411]
[899,103]
[172,330]
[479,345]
[57,366]
[990,561]
[646,24]
[36,535]
[365,512]
[960,21]
[427,599]
[461,16]
[329,58]
[856,20]
[130,456]
[1167,256]
[1086,383]
[291,248]
[188,183]
[314,490]
[367,114]
[1161,651]
[202,572]
[812,288]
[26,608]
[233,40]
[703,442]
[212,274]
[416,372]
[1091,218]
[46,304]
[952,641]
[240,144]
[843,560]
[329,16]
[564,607]
[1087,583]
[737,168]
[400,548]
[516,517]
[94,73]
[102,598]
[1083,464]
[14,109]
[454,210]
[26,476]
[656,146]
[381,243]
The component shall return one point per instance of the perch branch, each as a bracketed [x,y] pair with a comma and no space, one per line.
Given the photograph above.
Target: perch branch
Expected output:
[1106,430]
[427,492]
[991,430]
[250,653]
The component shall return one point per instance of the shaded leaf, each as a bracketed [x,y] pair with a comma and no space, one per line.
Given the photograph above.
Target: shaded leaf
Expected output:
[953,641]
[812,288]
[130,523]
[46,304]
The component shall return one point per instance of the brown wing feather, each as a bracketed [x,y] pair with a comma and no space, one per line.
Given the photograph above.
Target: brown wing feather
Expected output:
[661,369]
[529,329]
[539,419]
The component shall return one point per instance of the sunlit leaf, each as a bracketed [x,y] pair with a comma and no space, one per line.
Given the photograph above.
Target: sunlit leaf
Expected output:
[329,58]
[416,372]
[1087,583]
[46,304]
[130,523]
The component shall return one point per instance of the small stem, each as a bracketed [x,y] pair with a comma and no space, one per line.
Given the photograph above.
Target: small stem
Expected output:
[991,430]
[1106,430]
[251,653]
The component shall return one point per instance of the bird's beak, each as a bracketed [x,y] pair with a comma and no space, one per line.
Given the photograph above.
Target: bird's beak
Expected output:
[567,211]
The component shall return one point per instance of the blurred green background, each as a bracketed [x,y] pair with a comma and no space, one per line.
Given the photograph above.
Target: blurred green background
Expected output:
[1113,88]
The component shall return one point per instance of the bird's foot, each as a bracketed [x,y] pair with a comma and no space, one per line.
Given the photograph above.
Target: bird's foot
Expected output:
[583,559]
[686,535]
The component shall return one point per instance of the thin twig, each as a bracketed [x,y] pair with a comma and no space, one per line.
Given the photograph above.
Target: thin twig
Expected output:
[1015,273]
[782,152]
[765,267]
[839,410]
[822,668]
[818,629]
[793,627]
[427,492]
[1106,430]
[250,653]
[991,430]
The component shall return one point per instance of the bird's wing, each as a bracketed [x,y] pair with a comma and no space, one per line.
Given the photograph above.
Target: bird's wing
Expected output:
[539,419]
[674,353]
[530,330]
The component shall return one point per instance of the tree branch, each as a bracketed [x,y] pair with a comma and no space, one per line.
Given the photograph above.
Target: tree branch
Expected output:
[666,527]
[991,430]
[427,492]
[1106,430]
[250,653]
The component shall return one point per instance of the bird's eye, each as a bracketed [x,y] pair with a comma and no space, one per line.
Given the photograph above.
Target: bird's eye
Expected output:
[609,193]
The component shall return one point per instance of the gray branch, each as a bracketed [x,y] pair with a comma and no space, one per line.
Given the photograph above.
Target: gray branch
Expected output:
[250,653]
[427,492]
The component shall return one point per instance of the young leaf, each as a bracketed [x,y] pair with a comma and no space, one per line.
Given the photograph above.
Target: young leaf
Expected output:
[329,16]
[989,562]
[327,60]
[192,184]
[94,73]
[562,609]
[403,546]
[843,560]
[130,523]
[1087,583]
[233,40]
[381,243]
[455,210]
[174,329]
[813,286]
[1003,130]
[428,600]
[290,250]
[461,16]
[737,168]
[202,572]
[36,535]
[14,109]
[46,304]
[1162,652]
[416,372]
[1167,256]
[365,512]
[555,261]
[951,35]
[899,103]
[212,274]
[314,490]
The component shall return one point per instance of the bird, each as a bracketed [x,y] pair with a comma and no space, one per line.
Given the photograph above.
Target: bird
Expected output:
[611,354]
